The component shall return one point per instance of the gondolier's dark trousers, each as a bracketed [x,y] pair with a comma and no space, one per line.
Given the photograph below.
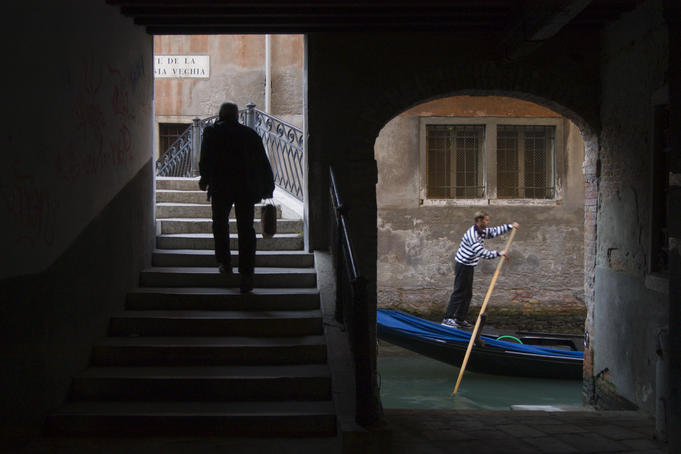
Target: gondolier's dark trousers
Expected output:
[461,297]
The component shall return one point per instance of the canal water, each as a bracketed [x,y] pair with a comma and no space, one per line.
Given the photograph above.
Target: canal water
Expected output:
[410,380]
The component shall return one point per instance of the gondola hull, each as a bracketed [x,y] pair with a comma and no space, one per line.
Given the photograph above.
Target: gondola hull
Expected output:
[486,359]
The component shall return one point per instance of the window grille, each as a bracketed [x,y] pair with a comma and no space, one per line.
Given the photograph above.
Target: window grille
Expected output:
[525,162]
[168,134]
[454,161]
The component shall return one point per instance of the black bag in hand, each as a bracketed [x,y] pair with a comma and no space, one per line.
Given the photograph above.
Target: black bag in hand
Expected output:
[268,219]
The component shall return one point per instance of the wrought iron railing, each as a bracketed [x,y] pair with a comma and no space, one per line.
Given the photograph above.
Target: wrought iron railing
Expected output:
[177,160]
[283,143]
[352,308]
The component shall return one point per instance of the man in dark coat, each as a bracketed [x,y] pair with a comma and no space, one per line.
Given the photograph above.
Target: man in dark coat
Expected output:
[235,171]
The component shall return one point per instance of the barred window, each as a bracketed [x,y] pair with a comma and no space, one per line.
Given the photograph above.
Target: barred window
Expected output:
[525,162]
[454,161]
[168,133]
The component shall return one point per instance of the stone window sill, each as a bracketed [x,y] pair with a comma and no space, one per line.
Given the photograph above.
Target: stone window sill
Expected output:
[490,202]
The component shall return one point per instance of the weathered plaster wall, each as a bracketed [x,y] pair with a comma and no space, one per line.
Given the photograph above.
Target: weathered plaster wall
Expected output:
[237,73]
[287,78]
[625,310]
[80,130]
[50,320]
[76,194]
[673,346]
[542,288]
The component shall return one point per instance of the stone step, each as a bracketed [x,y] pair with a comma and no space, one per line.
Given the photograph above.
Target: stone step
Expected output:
[279,242]
[177,183]
[167,210]
[181,196]
[214,299]
[207,351]
[211,277]
[216,323]
[205,225]
[194,383]
[206,258]
[241,419]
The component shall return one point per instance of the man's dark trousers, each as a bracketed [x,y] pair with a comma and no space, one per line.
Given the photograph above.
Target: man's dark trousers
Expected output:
[461,297]
[222,204]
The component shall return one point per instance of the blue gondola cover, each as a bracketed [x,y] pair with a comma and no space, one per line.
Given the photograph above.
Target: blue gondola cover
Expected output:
[411,326]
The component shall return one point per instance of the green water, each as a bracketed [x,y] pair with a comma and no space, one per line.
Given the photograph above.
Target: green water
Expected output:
[409,380]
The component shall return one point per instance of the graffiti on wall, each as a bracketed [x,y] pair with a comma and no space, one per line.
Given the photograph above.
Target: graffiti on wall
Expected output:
[88,118]
[31,207]
[120,144]
[102,119]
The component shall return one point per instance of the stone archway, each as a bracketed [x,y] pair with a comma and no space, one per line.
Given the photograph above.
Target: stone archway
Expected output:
[352,94]
[416,241]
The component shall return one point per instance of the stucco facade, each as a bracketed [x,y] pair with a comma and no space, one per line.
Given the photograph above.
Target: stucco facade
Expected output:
[542,287]
[238,72]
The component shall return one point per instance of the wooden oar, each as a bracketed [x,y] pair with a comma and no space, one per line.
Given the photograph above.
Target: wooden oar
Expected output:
[482,311]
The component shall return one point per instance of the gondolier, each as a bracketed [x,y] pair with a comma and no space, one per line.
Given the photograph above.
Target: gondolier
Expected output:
[471,250]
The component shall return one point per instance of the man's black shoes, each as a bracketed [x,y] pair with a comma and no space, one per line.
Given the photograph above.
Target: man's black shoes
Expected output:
[246,283]
[226,270]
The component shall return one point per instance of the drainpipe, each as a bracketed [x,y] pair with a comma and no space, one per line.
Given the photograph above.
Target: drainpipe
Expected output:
[268,73]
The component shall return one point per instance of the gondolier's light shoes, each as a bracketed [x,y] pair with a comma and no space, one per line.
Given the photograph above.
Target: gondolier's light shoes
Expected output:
[449,322]
[465,324]
[456,323]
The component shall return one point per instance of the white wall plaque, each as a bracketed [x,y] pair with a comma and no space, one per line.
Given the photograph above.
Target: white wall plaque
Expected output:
[181,66]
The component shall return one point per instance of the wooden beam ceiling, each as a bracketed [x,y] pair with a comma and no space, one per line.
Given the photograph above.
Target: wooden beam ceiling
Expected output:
[296,16]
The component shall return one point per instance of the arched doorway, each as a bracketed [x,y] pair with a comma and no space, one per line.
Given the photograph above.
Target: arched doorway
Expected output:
[439,162]
[515,159]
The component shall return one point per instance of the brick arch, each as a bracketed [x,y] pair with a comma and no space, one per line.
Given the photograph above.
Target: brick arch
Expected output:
[568,93]
[361,84]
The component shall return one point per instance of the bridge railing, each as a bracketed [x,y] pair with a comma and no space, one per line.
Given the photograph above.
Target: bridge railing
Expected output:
[283,143]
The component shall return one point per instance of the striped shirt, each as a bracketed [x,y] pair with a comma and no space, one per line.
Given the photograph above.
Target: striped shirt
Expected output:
[472,246]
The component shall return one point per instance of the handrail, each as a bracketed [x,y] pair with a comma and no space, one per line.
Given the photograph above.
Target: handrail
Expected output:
[342,222]
[352,309]
[176,161]
[283,143]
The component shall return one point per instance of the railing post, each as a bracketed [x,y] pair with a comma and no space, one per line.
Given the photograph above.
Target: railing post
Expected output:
[250,115]
[196,146]
[360,345]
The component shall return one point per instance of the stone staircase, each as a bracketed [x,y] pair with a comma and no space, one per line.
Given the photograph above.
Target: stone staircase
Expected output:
[192,355]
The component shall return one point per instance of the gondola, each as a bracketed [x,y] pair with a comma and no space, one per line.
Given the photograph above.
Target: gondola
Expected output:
[522,354]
